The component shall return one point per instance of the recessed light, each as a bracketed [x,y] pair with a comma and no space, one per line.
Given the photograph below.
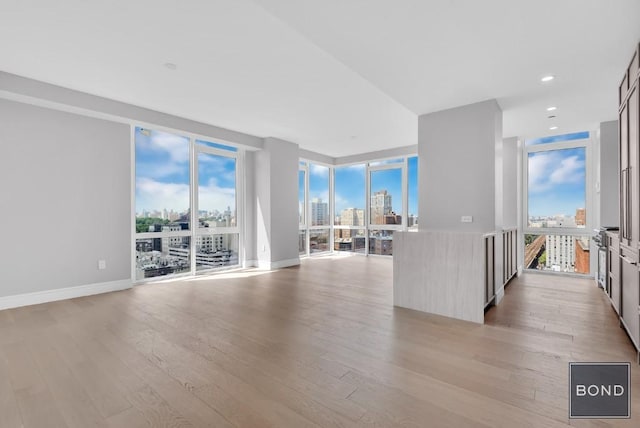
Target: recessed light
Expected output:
[553,128]
[170,65]
[552,108]
[548,78]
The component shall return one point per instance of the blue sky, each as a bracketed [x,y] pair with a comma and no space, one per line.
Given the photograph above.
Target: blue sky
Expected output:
[557,182]
[162,175]
[350,185]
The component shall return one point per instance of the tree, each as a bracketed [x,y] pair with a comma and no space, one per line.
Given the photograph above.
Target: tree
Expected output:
[528,239]
[542,260]
[142,224]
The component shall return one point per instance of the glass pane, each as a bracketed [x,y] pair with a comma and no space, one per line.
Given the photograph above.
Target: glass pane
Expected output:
[386,197]
[386,162]
[302,243]
[318,241]
[301,190]
[162,180]
[162,256]
[557,188]
[216,191]
[381,242]
[350,195]
[412,170]
[557,138]
[349,240]
[557,253]
[216,145]
[319,194]
[216,251]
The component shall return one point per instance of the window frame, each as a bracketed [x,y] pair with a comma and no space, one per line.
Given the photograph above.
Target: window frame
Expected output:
[194,231]
[574,144]
[402,164]
[590,218]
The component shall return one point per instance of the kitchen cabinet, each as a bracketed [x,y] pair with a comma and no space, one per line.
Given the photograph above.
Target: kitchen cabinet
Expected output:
[628,302]
[629,173]
[613,270]
[630,297]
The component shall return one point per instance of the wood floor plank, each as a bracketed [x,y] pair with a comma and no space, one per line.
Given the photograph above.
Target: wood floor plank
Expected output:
[105,393]
[37,405]
[74,403]
[169,389]
[9,413]
[319,345]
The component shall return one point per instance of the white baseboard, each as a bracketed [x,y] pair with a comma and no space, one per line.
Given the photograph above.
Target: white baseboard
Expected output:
[250,264]
[278,265]
[499,295]
[38,297]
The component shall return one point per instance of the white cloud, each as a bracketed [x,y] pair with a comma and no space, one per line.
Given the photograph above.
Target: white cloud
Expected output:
[212,197]
[176,146]
[571,170]
[357,167]
[156,195]
[550,169]
[319,170]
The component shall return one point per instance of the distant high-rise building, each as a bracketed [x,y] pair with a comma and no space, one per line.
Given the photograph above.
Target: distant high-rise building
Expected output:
[173,241]
[560,251]
[319,212]
[227,217]
[380,206]
[581,217]
[350,217]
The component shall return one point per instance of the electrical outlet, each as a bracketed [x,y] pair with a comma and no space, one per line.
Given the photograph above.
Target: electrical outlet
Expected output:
[466,219]
[102,264]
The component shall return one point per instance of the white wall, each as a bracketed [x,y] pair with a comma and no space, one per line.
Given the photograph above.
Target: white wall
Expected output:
[609,176]
[65,186]
[457,167]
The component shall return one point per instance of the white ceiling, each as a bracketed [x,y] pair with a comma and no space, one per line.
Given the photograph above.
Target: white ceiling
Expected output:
[338,77]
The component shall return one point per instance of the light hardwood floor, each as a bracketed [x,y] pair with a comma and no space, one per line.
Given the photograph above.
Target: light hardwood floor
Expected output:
[315,345]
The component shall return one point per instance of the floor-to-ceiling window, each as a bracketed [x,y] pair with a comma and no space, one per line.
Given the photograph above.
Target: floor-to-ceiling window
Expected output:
[412,192]
[558,203]
[186,204]
[387,197]
[302,208]
[349,230]
[357,207]
[319,218]
[217,235]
